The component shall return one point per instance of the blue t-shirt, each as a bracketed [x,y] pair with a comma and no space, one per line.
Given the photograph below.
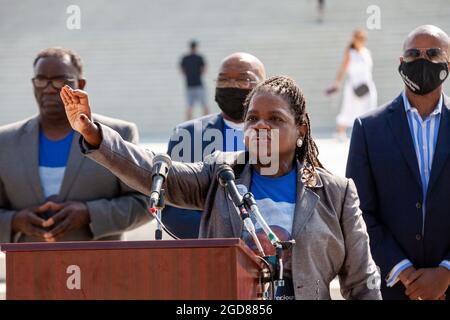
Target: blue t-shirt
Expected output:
[276,198]
[233,139]
[53,156]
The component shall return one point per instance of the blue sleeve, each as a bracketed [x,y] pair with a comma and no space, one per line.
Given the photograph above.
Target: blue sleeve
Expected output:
[393,276]
[385,250]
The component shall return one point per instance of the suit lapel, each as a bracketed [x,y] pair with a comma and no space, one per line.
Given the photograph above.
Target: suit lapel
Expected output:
[29,146]
[442,145]
[305,204]
[73,166]
[398,123]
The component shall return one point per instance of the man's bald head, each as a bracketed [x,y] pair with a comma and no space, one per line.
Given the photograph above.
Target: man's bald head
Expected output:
[241,63]
[427,36]
[425,62]
[239,73]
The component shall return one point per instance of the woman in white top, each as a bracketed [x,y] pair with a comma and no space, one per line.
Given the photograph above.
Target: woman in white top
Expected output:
[359,92]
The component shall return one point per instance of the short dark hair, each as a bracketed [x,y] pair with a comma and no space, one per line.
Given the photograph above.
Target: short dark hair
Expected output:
[58,52]
[193,44]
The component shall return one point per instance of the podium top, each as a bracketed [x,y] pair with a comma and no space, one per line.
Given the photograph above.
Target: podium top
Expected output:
[114,245]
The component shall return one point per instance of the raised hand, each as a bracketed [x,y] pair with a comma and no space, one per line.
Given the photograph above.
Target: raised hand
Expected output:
[78,113]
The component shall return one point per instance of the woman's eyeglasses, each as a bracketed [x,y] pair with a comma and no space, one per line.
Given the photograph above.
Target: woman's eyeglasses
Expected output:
[56,83]
[433,54]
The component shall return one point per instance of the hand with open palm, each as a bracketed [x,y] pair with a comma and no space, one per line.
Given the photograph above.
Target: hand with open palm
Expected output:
[78,113]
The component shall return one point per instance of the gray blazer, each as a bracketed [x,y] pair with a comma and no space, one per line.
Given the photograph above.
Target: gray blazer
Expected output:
[113,206]
[330,234]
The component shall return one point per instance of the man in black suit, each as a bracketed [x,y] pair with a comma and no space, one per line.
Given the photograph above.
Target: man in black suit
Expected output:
[193,140]
[399,161]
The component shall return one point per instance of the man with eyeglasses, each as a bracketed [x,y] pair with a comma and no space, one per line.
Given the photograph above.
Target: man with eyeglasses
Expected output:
[399,160]
[48,190]
[191,141]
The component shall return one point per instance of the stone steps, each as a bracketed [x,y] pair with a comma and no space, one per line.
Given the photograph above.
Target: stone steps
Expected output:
[131,59]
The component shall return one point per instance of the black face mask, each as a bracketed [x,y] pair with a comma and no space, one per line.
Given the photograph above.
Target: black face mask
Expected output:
[231,101]
[423,76]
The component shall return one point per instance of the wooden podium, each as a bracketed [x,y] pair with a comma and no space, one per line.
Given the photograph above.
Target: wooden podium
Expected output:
[167,269]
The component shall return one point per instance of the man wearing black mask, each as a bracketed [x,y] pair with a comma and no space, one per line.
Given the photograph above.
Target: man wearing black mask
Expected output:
[239,73]
[399,161]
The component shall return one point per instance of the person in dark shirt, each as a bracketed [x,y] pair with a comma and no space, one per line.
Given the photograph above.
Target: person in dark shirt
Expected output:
[193,67]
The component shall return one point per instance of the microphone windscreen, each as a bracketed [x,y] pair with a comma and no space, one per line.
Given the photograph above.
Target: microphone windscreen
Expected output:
[225,174]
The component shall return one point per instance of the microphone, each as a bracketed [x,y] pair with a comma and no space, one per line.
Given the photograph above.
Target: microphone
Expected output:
[161,164]
[250,204]
[226,178]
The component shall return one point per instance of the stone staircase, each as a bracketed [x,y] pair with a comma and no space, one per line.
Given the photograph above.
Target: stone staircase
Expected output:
[131,49]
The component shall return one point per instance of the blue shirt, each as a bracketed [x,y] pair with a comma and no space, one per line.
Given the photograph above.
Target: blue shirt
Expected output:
[424,133]
[276,199]
[53,157]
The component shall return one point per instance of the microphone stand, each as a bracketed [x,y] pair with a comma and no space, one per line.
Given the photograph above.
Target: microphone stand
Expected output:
[226,180]
[277,260]
[245,205]
[159,206]
[251,229]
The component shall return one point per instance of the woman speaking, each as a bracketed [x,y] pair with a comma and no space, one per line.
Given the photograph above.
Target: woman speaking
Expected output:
[297,197]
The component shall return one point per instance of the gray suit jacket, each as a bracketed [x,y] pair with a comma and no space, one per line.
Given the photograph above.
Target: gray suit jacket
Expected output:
[113,206]
[330,234]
